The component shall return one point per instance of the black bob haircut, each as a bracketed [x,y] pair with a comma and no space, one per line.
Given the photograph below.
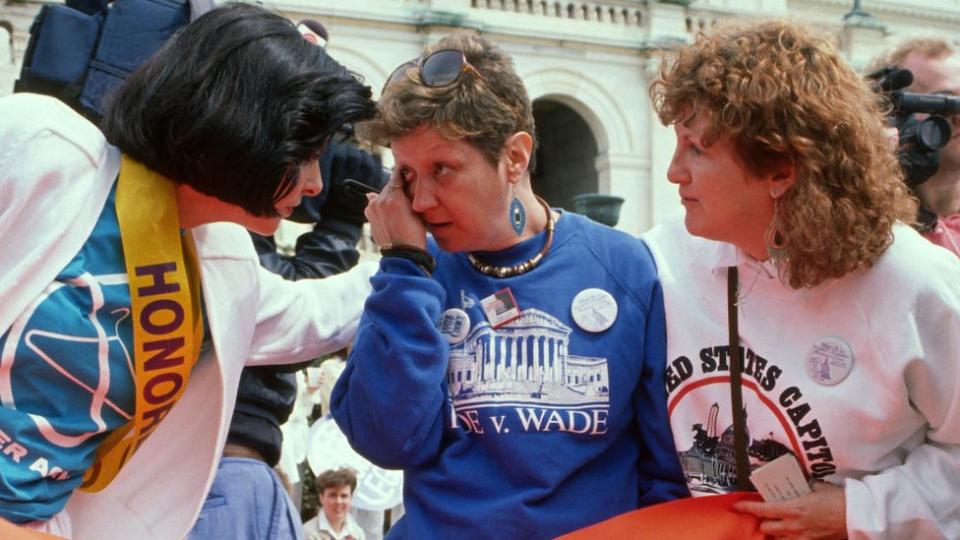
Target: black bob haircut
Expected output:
[232,104]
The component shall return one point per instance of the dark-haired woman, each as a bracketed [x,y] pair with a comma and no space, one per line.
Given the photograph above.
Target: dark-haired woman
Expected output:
[131,296]
[520,386]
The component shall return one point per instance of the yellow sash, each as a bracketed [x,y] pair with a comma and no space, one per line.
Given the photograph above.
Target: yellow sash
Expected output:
[166,315]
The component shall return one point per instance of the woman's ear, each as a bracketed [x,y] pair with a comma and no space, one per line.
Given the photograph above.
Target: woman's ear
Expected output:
[517,150]
[782,178]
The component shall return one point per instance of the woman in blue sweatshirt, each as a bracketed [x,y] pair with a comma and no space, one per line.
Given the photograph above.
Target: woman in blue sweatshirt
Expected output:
[512,362]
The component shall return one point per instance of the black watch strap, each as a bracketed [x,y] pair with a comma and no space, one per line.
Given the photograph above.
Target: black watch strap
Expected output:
[418,256]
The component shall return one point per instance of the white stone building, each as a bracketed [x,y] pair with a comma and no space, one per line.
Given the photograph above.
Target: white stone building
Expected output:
[586,63]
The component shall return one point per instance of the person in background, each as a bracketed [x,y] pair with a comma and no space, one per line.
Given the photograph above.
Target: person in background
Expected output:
[796,228]
[236,507]
[247,500]
[511,363]
[935,65]
[140,303]
[333,520]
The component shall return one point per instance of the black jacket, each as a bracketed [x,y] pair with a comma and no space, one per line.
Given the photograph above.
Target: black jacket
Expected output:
[266,395]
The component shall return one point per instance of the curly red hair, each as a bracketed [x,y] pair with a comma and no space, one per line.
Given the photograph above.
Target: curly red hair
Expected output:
[781,91]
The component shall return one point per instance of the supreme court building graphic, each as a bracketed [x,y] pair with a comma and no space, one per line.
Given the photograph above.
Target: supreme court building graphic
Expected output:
[525,361]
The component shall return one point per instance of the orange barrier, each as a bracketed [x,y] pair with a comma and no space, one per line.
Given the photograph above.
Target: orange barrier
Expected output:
[696,518]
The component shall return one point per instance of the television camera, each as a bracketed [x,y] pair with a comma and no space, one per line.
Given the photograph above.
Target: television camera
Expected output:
[920,119]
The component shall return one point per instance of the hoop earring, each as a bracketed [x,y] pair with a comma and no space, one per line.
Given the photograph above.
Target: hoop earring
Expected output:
[517,214]
[773,238]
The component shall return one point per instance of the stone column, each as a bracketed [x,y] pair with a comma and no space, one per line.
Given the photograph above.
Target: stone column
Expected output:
[862,37]
[667,20]
[7,66]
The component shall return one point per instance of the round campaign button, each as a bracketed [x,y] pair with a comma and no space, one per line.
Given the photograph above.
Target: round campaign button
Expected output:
[829,360]
[455,325]
[594,310]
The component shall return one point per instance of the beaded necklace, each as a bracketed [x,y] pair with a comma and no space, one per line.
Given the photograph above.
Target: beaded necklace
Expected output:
[525,266]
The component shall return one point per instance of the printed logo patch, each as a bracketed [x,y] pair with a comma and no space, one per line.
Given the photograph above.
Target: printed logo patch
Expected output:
[500,307]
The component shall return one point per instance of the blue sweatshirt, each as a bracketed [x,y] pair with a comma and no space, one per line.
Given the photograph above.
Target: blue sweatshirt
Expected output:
[522,428]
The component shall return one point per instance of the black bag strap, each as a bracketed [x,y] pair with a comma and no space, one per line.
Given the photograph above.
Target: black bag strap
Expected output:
[736,389]
[26,82]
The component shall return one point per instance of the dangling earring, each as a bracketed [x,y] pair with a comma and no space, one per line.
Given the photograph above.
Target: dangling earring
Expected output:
[773,238]
[518,216]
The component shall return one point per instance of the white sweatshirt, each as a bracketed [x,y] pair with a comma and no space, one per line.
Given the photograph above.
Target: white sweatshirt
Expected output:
[858,378]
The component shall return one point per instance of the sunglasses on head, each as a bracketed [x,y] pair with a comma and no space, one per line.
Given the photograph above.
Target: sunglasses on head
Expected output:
[438,69]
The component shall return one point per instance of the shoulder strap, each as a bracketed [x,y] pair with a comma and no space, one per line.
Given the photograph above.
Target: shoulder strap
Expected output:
[736,389]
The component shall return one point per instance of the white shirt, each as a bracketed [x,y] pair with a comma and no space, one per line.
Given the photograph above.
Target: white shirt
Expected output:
[858,377]
[319,528]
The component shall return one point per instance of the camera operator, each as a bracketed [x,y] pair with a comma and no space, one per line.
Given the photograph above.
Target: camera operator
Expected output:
[337,215]
[246,499]
[266,394]
[935,65]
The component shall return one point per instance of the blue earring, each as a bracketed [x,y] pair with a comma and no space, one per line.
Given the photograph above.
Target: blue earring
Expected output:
[518,216]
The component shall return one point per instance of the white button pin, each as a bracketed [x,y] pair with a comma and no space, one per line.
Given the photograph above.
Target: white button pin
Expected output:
[829,360]
[455,325]
[594,310]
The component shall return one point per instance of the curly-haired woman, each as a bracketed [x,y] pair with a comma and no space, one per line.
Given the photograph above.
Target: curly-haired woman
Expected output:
[849,321]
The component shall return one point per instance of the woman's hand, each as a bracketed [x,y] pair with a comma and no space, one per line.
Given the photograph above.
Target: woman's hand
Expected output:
[392,220]
[821,514]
